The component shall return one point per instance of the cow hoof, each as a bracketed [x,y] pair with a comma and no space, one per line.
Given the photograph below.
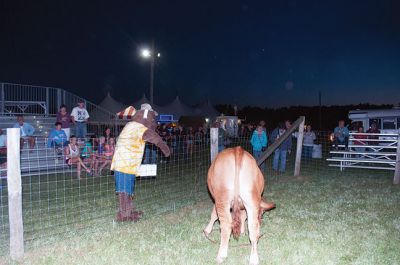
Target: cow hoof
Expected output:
[254,261]
[220,259]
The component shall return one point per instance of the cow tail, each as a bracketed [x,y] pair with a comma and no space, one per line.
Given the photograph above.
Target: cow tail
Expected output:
[236,222]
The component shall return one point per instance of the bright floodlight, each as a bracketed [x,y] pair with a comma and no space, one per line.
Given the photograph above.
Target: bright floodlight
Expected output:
[158,54]
[146,53]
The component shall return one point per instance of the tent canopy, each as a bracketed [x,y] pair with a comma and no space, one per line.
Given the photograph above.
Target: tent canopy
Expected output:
[110,104]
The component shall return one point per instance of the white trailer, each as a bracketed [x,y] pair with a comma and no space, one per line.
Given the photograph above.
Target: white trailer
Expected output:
[386,120]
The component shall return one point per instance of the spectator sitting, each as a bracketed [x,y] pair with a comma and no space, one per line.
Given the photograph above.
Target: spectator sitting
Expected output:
[107,134]
[65,119]
[87,154]
[27,131]
[3,139]
[109,149]
[259,142]
[72,157]
[3,151]
[359,142]
[57,137]
[374,138]
[341,135]
[308,143]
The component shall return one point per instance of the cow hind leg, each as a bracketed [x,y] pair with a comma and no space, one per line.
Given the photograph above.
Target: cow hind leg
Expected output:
[225,220]
[213,218]
[254,233]
[243,216]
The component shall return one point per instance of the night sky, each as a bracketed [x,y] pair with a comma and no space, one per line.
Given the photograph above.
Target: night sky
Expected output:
[265,53]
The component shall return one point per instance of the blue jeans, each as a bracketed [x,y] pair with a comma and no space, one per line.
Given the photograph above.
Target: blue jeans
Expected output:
[257,155]
[307,152]
[150,156]
[279,154]
[80,129]
[58,145]
[124,182]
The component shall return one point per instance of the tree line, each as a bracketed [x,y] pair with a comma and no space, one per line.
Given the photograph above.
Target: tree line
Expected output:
[319,117]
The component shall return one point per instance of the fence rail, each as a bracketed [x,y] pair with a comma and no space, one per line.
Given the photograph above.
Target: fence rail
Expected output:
[57,205]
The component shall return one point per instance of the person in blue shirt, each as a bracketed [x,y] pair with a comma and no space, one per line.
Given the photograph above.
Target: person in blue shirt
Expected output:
[341,135]
[57,137]
[259,142]
[27,132]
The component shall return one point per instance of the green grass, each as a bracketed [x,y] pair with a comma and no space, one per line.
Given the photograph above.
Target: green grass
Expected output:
[322,217]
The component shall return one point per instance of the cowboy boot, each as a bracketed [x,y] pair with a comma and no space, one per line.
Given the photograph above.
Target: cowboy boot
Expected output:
[118,217]
[123,213]
[135,215]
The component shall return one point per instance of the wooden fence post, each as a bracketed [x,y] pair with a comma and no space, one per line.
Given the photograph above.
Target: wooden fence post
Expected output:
[396,179]
[15,194]
[280,140]
[213,143]
[299,149]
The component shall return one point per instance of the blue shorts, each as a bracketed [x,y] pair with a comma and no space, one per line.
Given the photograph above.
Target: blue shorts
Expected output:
[124,182]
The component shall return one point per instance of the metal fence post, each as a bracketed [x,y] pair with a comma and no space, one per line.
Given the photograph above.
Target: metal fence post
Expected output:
[47,102]
[299,149]
[213,143]
[15,194]
[396,179]
[2,98]
[59,100]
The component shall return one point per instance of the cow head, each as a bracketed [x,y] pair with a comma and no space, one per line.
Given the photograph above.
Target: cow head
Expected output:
[265,206]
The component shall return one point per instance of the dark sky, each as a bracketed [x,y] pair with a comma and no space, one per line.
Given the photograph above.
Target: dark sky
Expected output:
[266,53]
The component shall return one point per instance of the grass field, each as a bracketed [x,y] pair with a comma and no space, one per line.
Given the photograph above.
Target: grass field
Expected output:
[322,217]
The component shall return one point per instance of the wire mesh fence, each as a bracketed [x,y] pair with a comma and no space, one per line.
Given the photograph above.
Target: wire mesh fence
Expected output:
[60,199]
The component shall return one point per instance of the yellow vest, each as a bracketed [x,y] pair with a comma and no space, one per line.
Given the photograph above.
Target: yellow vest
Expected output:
[129,149]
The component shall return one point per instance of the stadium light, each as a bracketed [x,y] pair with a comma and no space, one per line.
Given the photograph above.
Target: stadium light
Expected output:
[150,54]
[145,53]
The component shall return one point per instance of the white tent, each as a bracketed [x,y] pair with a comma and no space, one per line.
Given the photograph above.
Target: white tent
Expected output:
[207,110]
[144,99]
[110,104]
[178,109]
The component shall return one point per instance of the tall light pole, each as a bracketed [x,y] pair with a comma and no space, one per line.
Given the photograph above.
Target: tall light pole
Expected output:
[151,54]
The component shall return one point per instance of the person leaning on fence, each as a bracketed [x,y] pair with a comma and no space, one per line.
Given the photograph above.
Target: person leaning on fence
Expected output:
[80,117]
[308,143]
[259,142]
[128,156]
[57,138]
[72,157]
[341,135]
[285,147]
[26,131]
[65,119]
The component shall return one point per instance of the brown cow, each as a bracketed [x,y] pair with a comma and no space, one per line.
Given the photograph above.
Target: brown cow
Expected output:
[235,182]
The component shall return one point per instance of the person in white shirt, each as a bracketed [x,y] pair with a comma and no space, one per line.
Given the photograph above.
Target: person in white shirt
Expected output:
[79,116]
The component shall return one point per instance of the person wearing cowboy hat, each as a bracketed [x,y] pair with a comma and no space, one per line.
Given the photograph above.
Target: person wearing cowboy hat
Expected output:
[128,156]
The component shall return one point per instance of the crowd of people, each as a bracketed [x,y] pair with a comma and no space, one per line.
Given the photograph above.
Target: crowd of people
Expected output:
[95,153]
